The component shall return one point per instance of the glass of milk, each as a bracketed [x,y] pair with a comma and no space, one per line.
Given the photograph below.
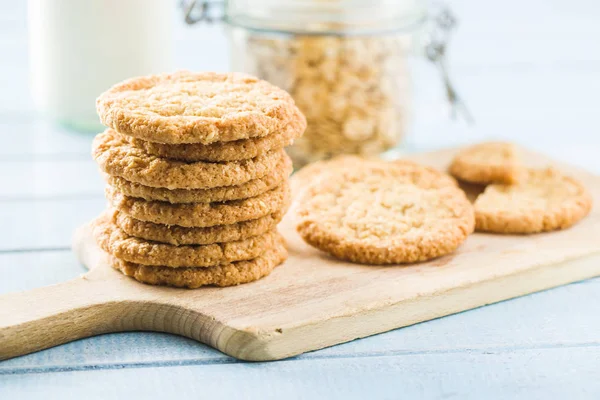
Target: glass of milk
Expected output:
[79,48]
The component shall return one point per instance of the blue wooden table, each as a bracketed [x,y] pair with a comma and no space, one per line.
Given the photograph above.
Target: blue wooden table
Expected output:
[530,72]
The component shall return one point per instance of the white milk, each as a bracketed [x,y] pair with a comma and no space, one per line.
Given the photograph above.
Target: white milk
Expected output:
[79,48]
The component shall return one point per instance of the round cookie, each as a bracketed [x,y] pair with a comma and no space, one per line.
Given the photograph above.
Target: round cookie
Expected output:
[129,248]
[179,235]
[223,151]
[202,214]
[384,214]
[251,188]
[223,275]
[490,162]
[117,157]
[196,107]
[543,200]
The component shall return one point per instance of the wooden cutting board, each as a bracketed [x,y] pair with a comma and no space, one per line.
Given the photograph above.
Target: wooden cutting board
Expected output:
[312,301]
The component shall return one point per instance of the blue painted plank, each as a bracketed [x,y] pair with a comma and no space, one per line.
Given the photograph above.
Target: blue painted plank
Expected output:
[33,138]
[514,374]
[50,179]
[24,271]
[46,223]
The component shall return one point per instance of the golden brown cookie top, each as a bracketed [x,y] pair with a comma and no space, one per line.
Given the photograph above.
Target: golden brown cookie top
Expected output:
[489,162]
[310,173]
[196,107]
[384,214]
[542,200]
[303,177]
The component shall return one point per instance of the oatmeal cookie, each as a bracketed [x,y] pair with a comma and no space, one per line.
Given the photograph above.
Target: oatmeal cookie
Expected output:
[179,235]
[542,200]
[129,248]
[231,274]
[196,107]
[202,214]
[380,214]
[251,188]
[224,151]
[311,172]
[117,157]
[491,162]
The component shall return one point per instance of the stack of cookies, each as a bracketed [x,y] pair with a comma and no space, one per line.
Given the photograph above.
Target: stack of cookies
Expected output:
[197,177]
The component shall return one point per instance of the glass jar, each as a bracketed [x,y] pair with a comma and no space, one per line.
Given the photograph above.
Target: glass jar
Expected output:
[345,63]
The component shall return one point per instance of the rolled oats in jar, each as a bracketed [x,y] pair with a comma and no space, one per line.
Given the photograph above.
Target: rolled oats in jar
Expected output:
[354,91]
[345,63]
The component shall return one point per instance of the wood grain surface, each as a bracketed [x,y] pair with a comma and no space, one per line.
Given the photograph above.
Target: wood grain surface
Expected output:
[311,302]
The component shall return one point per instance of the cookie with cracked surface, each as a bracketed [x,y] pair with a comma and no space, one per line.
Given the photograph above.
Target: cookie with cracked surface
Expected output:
[424,175]
[305,175]
[129,248]
[117,157]
[231,274]
[484,163]
[380,214]
[251,188]
[543,200]
[179,235]
[311,172]
[224,151]
[202,214]
[196,107]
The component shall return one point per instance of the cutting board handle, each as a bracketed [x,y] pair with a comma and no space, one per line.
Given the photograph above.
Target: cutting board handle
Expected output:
[45,317]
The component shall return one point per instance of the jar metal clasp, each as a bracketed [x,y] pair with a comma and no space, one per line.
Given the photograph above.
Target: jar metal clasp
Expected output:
[202,11]
[444,22]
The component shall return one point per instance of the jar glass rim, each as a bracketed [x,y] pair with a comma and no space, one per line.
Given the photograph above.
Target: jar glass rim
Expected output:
[330,17]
